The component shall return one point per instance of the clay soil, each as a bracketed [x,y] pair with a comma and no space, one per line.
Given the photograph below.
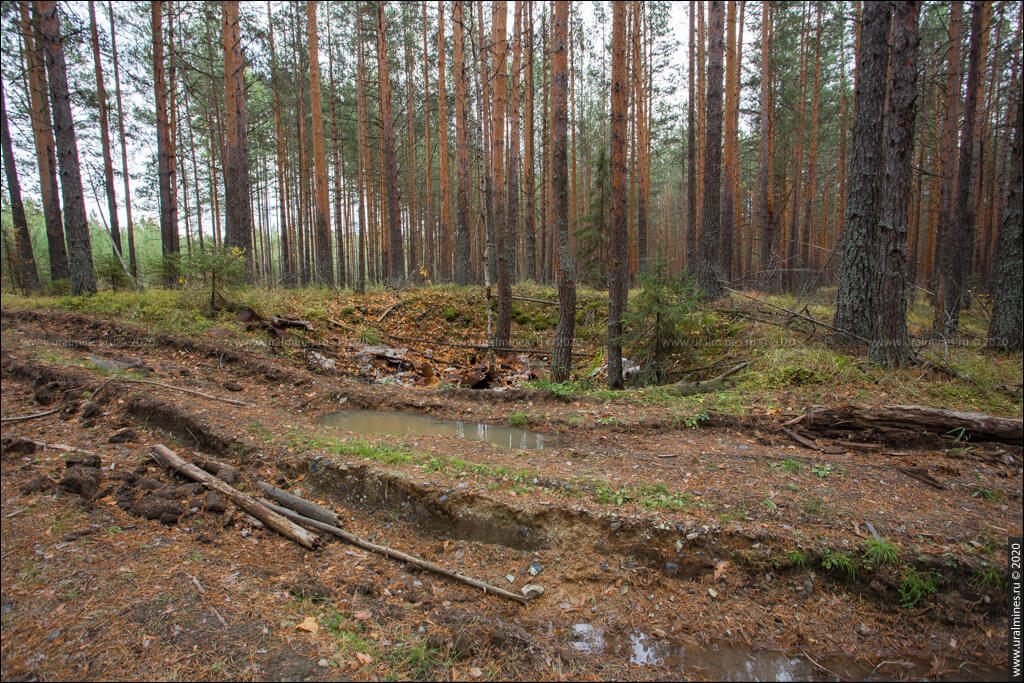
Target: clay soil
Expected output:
[708,541]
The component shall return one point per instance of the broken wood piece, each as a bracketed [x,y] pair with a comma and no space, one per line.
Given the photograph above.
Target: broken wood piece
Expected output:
[859,446]
[922,476]
[59,446]
[172,388]
[686,388]
[169,459]
[300,505]
[23,418]
[974,426]
[666,455]
[391,552]
[795,420]
[806,443]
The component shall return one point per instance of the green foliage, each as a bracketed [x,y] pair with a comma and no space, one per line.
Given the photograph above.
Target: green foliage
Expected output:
[212,265]
[791,466]
[822,470]
[370,336]
[517,419]
[592,231]
[989,578]
[916,586]
[881,553]
[797,558]
[813,506]
[110,271]
[839,562]
[450,314]
[661,322]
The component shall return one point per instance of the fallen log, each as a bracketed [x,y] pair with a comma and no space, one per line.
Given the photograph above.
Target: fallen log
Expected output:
[300,505]
[392,553]
[169,459]
[973,426]
[687,388]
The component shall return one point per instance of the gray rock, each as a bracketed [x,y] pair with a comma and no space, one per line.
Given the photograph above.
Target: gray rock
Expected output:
[532,591]
[535,568]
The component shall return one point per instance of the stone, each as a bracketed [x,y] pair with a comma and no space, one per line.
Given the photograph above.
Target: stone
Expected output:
[535,568]
[532,591]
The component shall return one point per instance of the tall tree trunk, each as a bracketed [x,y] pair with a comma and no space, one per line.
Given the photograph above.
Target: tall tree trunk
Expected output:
[732,90]
[1004,332]
[855,308]
[618,276]
[642,140]
[953,264]
[362,157]
[25,273]
[83,277]
[133,265]
[447,244]
[810,189]
[429,226]
[396,253]
[514,106]
[529,174]
[42,134]
[238,227]
[889,343]
[709,273]
[461,149]
[338,160]
[691,161]
[561,361]
[287,264]
[410,129]
[168,207]
[947,160]
[324,265]
[791,241]
[108,163]
[499,69]
[766,218]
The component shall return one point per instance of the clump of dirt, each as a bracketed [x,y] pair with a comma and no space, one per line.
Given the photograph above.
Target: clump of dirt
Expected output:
[15,445]
[46,394]
[186,425]
[155,506]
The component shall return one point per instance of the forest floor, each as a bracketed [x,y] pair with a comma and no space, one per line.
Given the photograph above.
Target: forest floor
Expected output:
[673,537]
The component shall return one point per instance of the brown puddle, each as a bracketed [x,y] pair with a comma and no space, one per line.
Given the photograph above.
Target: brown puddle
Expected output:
[395,422]
[724,662]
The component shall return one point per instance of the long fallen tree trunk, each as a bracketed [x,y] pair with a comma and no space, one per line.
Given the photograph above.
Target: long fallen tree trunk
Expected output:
[391,552]
[973,426]
[169,459]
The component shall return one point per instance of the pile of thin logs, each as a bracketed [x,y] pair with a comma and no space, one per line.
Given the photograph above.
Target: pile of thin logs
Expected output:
[289,512]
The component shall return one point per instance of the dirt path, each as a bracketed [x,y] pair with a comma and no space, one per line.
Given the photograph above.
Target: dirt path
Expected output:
[662,550]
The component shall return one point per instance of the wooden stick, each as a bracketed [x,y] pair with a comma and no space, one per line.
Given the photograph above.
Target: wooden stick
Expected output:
[391,552]
[687,388]
[23,418]
[806,443]
[60,447]
[181,389]
[300,505]
[801,315]
[167,458]
[922,477]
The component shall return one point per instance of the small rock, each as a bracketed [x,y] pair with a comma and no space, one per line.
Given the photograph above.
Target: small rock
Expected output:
[809,586]
[692,535]
[323,663]
[511,578]
[712,592]
[864,630]
[535,568]
[532,591]
[122,436]
[671,567]
[91,409]
[233,386]
[603,566]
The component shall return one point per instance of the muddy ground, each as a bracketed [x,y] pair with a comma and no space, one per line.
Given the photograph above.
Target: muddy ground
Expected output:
[702,549]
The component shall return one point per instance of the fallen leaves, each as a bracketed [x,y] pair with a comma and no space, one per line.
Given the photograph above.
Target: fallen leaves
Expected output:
[309,624]
[364,658]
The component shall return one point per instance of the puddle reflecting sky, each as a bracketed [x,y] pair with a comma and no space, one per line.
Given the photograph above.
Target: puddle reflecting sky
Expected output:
[396,422]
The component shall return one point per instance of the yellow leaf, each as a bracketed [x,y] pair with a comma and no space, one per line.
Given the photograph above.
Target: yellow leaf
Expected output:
[308,624]
[363,658]
[361,615]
